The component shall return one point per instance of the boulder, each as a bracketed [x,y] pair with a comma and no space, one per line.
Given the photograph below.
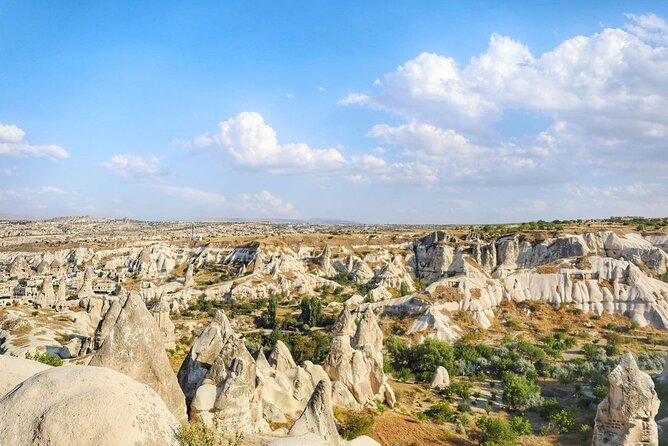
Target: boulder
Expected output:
[318,417]
[82,406]
[128,340]
[203,354]
[14,370]
[280,357]
[441,378]
[625,417]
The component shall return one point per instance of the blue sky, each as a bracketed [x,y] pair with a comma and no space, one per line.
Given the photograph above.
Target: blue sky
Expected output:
[397,112]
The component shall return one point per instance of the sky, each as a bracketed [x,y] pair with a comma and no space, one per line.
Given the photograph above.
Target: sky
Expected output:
[437,112]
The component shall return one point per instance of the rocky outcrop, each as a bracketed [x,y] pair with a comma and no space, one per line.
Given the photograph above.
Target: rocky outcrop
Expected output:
[318,417]
[625,417]
[281,358]
[394,275]
[440,379]
[160,312]
[355,366]
[189,282]
[229,397]
[19,268]
[16,370]
[82,406]
[61,294]
[128,340]
[86,289]
[46,296]
[203,354]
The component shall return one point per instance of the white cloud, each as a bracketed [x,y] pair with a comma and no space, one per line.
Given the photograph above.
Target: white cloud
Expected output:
[197,195]
[266,204]
[52,190]
[129,165]
[606,95]
[252,143]
[12,143]
[320,88]
[290,95]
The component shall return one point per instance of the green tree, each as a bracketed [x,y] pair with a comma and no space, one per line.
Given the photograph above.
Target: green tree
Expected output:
[311,314]
[268,317]
[404,290]
[519,393]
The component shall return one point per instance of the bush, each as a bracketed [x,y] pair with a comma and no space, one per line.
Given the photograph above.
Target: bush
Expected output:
[549,407]
[519,393]
[45,358]
[441,412]
[496,432]
[355,424]
[563,421]
[196,434]
[520,425]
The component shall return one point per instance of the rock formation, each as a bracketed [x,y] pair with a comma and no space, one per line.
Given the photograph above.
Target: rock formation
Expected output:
[625,417]
[189,282]
[355,365]
[441,378]
[318,417]
[16,370]
[281,358]
[203,354]
[229,397]
[61,294]
[82,406]
[46,297]
[86,289]
[128,340]
[160,312]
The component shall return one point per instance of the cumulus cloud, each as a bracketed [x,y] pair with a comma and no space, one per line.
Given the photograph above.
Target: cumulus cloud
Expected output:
[605,95]
[193,194]
[12,143]
[266,204]
[129,165]
[250,142]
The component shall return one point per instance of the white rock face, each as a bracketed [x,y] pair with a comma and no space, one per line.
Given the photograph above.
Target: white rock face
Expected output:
[128,340]
[318,417]
[281,358]
[189,282]
[355,365]
[220,379]
[16,370]
[203,354]
[82,406]
[441,378]
[86,289]
[626,416]
[160,312]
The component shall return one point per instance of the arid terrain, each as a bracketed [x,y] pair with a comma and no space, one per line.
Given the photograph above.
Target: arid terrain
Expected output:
[205,333]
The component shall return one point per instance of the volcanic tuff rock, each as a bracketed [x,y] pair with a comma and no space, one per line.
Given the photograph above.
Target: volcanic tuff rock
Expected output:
[128,340]
[229,397]
[160,312]
[82,406]
[203,354]
[441,378]
[16,370]
[318,417]
[355,365]
[626,416]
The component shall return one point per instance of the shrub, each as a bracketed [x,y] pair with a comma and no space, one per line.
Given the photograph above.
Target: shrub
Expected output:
[45,358]
[355,424]
[519,393]
[496,431]
[441,412]
[600,391]
[563,421]
[520,425]
[461,389]
[196,434]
